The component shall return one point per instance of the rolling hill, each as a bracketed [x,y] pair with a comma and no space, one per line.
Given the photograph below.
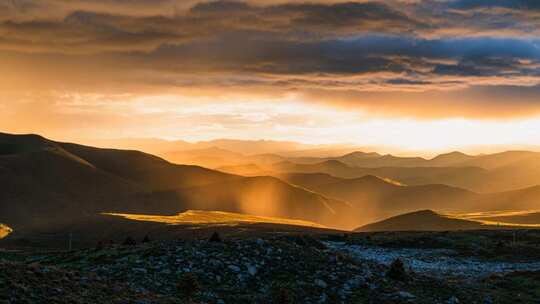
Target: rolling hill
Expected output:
[452,159]
[428,220]
[245,170]
[425,220]
[262,196]
[480,173]
[507,217]
[379,198]
[504,178]
[50,184]
[214,218]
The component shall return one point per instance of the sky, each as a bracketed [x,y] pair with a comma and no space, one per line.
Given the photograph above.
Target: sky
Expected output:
[411,74]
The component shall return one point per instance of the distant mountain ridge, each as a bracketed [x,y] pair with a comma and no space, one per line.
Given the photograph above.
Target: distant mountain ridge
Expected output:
[378,198]
[47,184]
[247,147]
[481,173]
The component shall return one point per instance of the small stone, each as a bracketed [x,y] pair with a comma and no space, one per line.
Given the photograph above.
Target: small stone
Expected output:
[234,268]
[252,270]
[453,300]
[321,283]
[215,238]
[405,295]
[141,270]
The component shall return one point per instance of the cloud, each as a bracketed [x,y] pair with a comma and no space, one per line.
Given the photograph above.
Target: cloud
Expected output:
[511,4]
[362,54]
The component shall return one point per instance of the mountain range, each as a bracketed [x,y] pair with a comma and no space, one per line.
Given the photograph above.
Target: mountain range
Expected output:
[480,173]
[50,185]
[379,198]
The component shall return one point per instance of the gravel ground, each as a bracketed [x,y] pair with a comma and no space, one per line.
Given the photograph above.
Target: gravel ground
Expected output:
[434,262]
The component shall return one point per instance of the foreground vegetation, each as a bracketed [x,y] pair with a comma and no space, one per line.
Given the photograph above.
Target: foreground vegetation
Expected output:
[415,267]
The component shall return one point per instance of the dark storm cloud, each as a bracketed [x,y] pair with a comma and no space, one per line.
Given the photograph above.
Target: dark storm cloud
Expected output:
[511,4]
[415,59]
[330,45]
[207,19]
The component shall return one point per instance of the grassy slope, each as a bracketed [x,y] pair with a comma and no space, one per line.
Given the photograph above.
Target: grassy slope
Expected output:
[196,217]
[427,220]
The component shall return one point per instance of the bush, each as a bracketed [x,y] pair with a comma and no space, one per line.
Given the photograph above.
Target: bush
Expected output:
[100,245]
[188,286]
[281,295]
[397,271]
[129,241]
[215,238]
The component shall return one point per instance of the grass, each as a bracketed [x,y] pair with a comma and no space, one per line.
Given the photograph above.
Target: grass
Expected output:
[197,217]
[485,218]
[4,231]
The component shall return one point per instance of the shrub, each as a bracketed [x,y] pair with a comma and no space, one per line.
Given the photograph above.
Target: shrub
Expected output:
[215,238]
[397,271]
[281,296]
[146,239]
[188,286]
[129,241]
[100,245]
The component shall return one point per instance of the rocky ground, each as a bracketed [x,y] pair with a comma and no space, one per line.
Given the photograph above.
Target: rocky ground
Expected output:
[446,268]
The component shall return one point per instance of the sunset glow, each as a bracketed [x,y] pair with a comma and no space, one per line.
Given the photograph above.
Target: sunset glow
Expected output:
[397,75]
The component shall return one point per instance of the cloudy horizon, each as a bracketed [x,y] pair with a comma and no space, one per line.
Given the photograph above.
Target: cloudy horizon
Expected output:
[415,75]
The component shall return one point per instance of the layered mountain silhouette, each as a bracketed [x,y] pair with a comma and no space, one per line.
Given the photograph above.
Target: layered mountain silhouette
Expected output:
[485,177]
[248,147]
[379,198]
[480,173]
[48,184]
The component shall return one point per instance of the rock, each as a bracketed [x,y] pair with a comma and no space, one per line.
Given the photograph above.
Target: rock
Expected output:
[252,270]
[405,295]
[234,268]
[129,241]
[453,300]
[215,238]
[397,271]
[215,263]
[140,270]
[321,283]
